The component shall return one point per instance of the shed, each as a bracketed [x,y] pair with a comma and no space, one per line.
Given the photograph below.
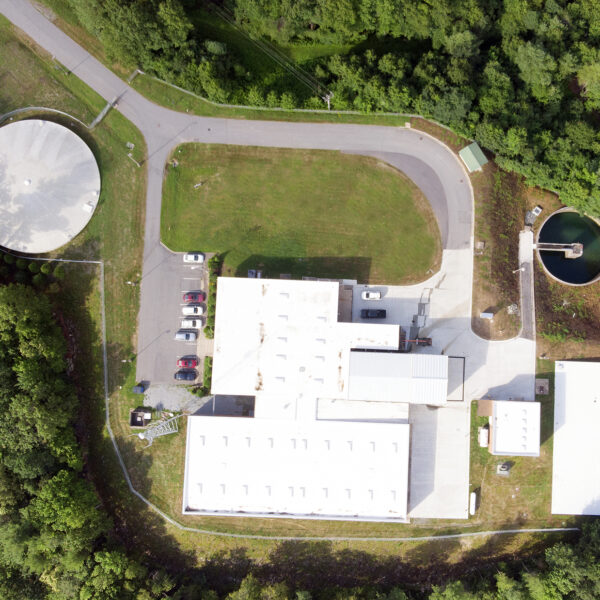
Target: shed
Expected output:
[515,428]
[473,157]
[140,416]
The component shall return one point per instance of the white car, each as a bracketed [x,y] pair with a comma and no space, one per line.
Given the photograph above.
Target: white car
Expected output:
[191,323]
[192,309]
[370,295]
[193,257]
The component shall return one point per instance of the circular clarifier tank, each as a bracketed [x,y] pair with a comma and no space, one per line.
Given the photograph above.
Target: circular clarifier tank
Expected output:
[49,185]
[568,227]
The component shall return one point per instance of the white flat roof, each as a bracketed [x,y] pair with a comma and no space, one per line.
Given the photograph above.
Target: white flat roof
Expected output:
[321,469]
[576,470]
[282,338]
[397,377]
[515,428]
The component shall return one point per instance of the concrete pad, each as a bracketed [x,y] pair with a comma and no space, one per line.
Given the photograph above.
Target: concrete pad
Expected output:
[439,462]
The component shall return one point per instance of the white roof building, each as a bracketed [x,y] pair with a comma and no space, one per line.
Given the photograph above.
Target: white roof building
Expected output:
[411,378]
[288,468]
[515,428]
[330,437]
[576,470]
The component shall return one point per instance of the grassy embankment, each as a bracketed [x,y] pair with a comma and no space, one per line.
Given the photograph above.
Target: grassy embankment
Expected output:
[300,212]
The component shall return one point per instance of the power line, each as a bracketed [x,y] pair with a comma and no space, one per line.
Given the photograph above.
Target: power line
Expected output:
[278,57]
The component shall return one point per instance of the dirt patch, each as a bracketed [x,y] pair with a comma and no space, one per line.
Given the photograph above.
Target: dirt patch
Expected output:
[451,139]
[500,206]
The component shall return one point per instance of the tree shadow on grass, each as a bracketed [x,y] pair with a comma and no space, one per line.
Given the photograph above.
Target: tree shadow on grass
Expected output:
[329,267]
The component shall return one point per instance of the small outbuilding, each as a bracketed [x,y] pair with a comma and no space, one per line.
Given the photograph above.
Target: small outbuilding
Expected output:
[514,426]
[140,416]
[473,157]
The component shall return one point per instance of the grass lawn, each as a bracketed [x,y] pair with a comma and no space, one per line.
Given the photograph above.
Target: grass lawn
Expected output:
[301,212]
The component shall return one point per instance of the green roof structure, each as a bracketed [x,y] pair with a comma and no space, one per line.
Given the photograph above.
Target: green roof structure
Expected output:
[473,157]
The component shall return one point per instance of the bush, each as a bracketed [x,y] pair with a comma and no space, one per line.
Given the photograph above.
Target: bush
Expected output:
[9,259]
[59,272]
[4,271]
[39,280]
[22,263]
[46,268]
[207,374]
[22,277]
[34,267]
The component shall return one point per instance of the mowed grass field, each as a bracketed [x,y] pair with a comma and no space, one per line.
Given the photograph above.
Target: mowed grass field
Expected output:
[314,213]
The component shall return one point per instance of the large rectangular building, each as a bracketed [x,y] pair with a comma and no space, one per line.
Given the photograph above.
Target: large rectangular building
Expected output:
[331,433]
[576,470]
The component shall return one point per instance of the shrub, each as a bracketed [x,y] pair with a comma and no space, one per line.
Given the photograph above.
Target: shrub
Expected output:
[9,259]
[46,268]
[34,267]
[59,272]
[22,277]
[39,280]
[22,263]
[4,271]
[207,374]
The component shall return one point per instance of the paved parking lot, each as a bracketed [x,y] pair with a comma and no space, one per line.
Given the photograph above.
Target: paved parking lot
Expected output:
[158,350]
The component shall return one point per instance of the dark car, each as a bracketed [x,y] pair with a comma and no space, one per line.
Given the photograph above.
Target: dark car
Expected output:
[186,375]
[372,313]
[194,297]
[188,362]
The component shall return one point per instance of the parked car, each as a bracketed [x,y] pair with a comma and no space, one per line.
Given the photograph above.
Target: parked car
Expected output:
[194,297]
[193,309]
[186,374]
[372,313]
[186,336]
[187,362]
[191,323]
[193,257]
[371,295]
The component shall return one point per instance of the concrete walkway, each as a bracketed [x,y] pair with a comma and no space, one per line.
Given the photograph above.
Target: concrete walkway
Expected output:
[526,247]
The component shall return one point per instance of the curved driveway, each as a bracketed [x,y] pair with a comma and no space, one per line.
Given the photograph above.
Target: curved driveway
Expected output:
[504,368]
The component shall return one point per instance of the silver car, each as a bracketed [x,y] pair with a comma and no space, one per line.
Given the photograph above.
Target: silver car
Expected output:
[186,336]
[191,323]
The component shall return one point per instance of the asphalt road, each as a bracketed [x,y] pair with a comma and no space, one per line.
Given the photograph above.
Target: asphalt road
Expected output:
[434,168]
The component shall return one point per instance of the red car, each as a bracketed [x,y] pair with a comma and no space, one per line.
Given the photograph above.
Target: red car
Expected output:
[187,362]
[194,297]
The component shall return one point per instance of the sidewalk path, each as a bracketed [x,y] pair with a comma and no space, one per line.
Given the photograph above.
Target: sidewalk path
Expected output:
[526,281]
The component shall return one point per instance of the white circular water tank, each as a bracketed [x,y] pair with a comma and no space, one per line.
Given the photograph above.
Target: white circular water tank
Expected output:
[49,185]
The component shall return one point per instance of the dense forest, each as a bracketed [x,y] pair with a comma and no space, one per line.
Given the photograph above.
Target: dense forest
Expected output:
[522,77]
